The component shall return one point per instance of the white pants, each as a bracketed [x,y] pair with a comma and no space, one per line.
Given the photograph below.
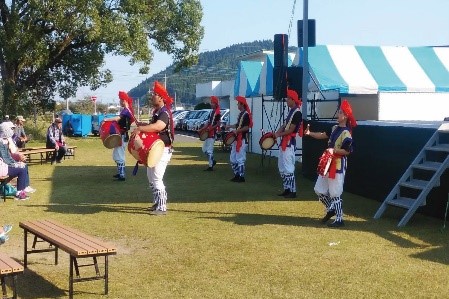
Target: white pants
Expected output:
[118,153]
[156,174]
[238,158]
[332,187]
[208,149]
[286,160]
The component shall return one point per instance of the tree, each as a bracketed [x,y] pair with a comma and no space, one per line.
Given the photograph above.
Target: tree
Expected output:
[56,46]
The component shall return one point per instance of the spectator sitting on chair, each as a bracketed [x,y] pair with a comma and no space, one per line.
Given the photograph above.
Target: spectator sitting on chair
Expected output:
[19,137]
[15,169]
[7,120]
[55,139]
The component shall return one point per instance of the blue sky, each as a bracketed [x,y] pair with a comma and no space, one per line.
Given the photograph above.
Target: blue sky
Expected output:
[341,22]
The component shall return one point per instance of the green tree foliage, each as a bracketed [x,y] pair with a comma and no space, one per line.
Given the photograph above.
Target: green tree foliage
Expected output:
[56,46]
[219,65]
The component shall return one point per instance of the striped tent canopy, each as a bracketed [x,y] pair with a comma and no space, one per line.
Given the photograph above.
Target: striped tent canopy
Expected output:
[247,80]
[369,70]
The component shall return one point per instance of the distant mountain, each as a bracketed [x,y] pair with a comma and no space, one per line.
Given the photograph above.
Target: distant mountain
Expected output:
[219,65]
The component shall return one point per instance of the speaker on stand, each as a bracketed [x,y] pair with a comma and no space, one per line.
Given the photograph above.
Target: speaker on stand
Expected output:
[311,36]
[281,50]
[280,66]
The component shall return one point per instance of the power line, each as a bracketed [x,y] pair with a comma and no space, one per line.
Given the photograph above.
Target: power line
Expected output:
[291,19]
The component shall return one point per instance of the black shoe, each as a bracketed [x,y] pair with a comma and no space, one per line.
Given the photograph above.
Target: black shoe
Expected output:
[286,192]
[336,224]
[290,195]
[328,216]
[121,179]
[152,208]
[209,169]
[240,179]
[235,179]
[116,176]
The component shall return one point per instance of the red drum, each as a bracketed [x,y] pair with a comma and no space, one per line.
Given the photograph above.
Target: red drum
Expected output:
[146,148]
[229,138]
[267,141]
[324,163]
[203,134]
[110,134]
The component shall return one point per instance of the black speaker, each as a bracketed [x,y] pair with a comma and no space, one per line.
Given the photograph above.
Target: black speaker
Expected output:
[294,79]
[279,82]
[311,30]
[281,50]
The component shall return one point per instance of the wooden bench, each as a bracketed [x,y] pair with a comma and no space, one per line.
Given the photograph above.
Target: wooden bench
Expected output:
[44,153]
[77,244]
[9,268]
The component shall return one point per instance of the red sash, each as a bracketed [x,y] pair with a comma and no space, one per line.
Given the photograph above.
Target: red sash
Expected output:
[301,129]
[239,142]
[286,139]
[333,166]
[211,131]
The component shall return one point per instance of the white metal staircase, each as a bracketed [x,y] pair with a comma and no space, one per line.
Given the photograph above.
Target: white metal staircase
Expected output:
[423,174]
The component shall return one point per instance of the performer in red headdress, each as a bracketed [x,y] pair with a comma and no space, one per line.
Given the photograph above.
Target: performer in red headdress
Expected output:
[211,126]
[288,131]
[161,123]
[329,187]
[238,149]
[124,120]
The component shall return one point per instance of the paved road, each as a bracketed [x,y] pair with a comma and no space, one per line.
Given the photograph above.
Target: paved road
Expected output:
[185,137]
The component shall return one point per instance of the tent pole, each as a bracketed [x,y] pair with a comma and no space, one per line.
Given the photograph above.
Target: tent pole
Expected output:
[305,58]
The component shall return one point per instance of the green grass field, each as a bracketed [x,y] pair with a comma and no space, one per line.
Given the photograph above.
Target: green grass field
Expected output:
[222,239]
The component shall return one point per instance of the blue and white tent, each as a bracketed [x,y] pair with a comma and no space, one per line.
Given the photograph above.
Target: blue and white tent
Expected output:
[370,70]
[248,78]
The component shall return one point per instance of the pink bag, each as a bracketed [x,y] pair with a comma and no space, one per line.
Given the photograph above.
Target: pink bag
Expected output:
[3,168]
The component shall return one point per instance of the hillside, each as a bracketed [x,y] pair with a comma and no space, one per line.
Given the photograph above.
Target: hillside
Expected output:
[218,65]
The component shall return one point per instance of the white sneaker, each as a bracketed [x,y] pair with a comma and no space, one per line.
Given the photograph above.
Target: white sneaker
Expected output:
[29,189]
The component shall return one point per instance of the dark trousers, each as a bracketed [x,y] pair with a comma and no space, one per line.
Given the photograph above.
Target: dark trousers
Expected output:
[21,174]
[59,154]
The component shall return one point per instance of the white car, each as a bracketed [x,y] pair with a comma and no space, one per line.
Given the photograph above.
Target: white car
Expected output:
[192,123]
[178,117]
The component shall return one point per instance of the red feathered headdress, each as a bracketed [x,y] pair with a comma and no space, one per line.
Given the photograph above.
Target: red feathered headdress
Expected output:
[214,100]
[242,100]
[347,110]
[160,91]
[294,96]
[125,97]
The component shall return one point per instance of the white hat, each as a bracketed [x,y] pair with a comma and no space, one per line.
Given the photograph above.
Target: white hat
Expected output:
[6,129]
